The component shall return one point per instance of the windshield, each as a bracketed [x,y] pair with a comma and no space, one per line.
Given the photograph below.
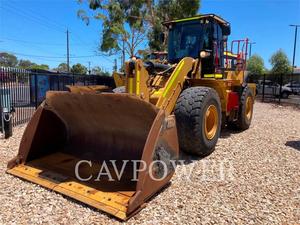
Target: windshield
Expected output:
[185,39]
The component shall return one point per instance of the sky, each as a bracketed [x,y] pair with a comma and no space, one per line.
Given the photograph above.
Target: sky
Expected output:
[36,29]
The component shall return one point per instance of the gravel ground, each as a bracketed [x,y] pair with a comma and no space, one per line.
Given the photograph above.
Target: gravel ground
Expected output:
[253,177]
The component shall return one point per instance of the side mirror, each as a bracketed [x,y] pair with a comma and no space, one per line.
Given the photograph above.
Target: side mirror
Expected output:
[162,37]
[205,54]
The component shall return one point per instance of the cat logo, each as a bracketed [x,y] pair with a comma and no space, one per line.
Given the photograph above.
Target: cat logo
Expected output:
[228,63]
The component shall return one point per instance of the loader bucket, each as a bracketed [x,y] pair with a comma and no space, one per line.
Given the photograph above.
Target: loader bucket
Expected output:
[72,136]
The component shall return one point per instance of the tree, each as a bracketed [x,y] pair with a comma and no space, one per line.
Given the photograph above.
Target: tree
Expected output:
[25,64]
[255,65]
[39,67]
[78,69]
[133,22]
[123,24]
[280,63]
[105,73]
[169,10]
[63,67]
[8,60]
[96,70]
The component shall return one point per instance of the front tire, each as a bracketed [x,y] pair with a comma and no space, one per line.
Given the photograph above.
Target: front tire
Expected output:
[198,118]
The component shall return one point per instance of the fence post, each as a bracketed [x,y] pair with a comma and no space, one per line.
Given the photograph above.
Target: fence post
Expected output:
[280,88]
[263,90]
[58,83]
[35,90]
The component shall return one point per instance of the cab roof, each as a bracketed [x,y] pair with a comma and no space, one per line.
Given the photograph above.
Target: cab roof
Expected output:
[218,19]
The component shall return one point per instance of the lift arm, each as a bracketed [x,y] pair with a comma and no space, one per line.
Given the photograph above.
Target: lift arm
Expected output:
[137,77]
[173,87]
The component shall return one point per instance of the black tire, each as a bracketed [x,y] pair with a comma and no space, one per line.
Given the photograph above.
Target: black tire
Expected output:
[244,121]
[120,89]
[190,111]
[285,95]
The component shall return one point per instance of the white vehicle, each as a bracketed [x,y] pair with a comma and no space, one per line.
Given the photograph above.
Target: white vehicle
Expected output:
[271,88]
[295,87]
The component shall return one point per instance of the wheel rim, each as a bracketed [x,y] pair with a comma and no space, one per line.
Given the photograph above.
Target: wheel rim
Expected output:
[249,106]
[211,122]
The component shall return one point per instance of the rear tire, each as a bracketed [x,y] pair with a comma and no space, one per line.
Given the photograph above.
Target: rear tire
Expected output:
[198,118]
[245,110]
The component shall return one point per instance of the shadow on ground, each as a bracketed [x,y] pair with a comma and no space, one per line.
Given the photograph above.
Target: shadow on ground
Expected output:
[226,132]
[188,158]
[293,144]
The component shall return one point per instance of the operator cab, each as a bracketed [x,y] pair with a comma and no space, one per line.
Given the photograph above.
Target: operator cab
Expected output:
[188,37]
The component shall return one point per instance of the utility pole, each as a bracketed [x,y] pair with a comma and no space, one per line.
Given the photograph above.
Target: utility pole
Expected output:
[295,43]
[250,50]
[89,67]
[294,54]
[68,51]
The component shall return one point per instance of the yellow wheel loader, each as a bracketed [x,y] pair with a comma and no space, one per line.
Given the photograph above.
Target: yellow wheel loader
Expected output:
[74,137]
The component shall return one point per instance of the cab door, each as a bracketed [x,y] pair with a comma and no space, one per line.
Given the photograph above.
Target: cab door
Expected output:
[218,48]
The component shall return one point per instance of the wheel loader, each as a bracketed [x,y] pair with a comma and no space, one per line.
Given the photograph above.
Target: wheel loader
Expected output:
[157,109]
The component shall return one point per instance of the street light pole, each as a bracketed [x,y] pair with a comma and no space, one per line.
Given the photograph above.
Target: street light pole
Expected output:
[295,43]
[68,51]
[294,54]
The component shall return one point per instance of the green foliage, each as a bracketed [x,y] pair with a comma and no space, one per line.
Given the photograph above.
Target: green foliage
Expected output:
[154,37]
[255,65]
[62,67]
[97,71]
[280,63]
[78,69]
[117,17]
[25,64]
[131,22]
[169,10]
[107,74]
[39,67]
[8,60]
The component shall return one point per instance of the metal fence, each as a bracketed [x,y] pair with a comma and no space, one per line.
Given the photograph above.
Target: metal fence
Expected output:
[277,88]
[21,91]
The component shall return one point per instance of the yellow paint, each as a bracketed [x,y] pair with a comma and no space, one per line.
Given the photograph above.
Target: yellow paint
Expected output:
[130,80]
[217,75]
[157,92]
[119,79]
[138,82]
[188,19]
[249,107]
[200,17]
[36,171]
[211,122]
[230,54]
[173,78]
[209,75]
